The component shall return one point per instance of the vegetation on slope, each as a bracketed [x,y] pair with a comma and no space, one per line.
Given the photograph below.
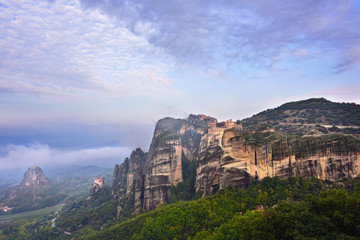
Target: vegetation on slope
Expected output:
[185,191]
[75,182]
[75,219]
[91,212]
[286,209]
[229,212]
[32,225]
[44,198]
[66,187]
[313,114]
[332,214]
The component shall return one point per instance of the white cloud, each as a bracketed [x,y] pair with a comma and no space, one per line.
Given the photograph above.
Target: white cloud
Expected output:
[14,156]
[56,49]
[240,30]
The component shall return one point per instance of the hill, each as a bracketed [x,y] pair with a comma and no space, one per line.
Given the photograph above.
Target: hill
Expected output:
[285,209]
[78,172]
[271,175]
[271,209]
[300,117]
[37,191]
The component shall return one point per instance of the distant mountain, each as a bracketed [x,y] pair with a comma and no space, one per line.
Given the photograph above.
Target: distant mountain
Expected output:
[37,191]
[300,117]
[34,180]
[31,193]
[10,177]
[76,181]
[76,172]
[280,154]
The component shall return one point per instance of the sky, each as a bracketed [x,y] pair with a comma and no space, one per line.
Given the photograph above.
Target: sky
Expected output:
[85,81]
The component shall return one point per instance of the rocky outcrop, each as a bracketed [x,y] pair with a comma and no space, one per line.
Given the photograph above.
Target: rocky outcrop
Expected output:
[128,181]
[118,186]
[135,178]
[231,157]
[33,181]
[174,141]
[226,155]
[145,179]
[97,185]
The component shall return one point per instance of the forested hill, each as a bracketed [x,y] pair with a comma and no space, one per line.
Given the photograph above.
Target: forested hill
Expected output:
[284,209]
[300,117]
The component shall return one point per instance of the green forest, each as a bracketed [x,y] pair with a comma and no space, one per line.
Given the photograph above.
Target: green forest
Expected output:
[301,117]
[271,209]
[285,209]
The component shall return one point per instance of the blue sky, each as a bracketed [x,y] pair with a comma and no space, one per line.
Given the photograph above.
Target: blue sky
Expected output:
[90,78]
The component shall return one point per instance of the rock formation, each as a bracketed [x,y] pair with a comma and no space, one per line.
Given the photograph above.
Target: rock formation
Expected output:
[97,185]
[33,181]
[128,181]
[226,155]
[174,141]
[231,157]
[145,179]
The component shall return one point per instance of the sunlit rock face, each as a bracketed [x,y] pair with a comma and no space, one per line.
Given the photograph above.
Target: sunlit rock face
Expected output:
[144,179]
[226,155]
[231,157]
[174,141]
[97,185]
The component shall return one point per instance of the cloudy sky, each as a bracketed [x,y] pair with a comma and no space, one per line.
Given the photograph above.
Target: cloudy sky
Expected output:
[85,80]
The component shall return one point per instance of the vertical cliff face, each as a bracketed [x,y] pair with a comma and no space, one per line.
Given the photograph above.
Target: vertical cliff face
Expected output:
[231,157]
[119,179]
[226,156]
[128,181]
[145,179]
[135,178]
[174,141]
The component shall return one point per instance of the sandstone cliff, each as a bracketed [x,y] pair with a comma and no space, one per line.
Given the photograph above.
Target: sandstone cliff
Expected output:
[145,179]
[226,155]
[174,141]
[231,157]
[128,181]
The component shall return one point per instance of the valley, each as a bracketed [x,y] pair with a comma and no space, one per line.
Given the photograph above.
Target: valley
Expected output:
[201,178]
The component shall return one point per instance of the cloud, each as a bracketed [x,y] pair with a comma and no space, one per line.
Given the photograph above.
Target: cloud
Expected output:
[218,75]
[116,61]
[54,48]
[240,30]
[349,60]
[15,156]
